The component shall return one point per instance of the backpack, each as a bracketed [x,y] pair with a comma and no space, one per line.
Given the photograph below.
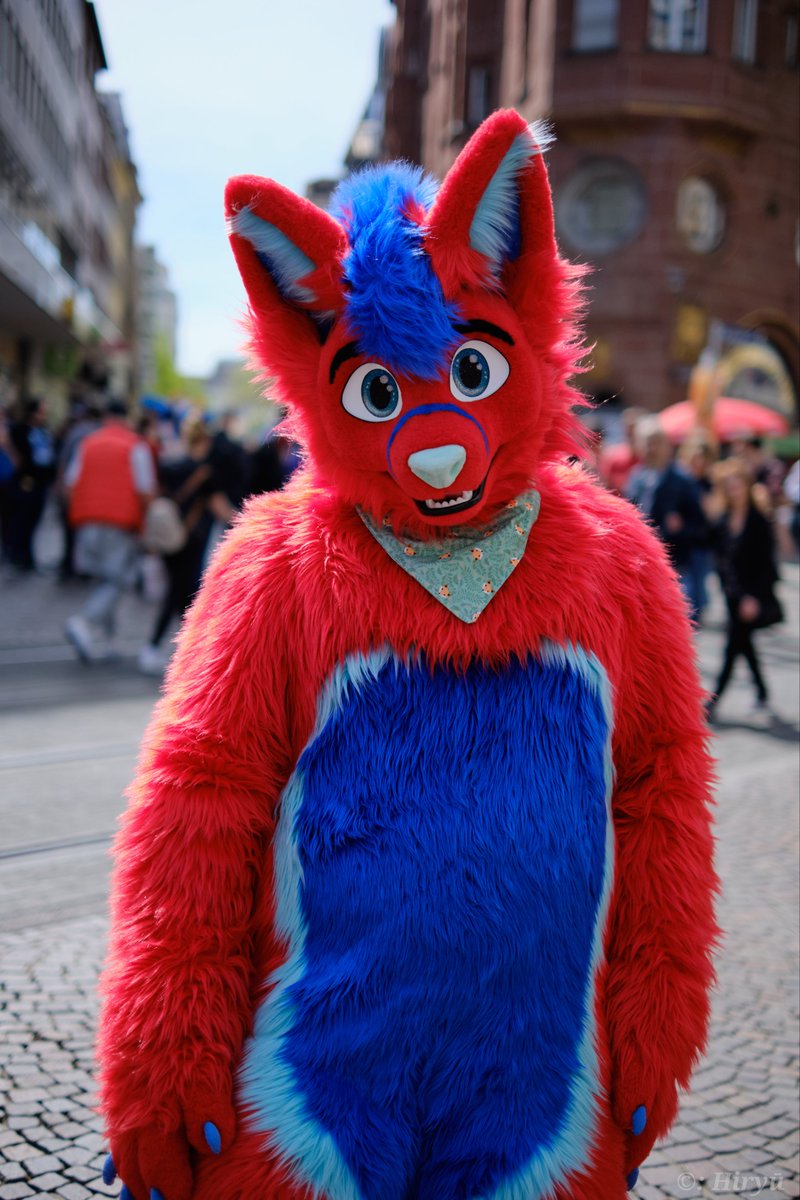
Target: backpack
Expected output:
[164,531]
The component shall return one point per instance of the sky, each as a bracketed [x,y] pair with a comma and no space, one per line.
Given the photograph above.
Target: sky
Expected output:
[212,89]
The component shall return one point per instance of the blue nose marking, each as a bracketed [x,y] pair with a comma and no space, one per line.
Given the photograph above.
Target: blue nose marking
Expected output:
[425,410]
[439,466]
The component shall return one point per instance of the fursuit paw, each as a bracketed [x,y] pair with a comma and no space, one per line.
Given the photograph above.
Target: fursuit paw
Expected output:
[643,1107]
[157,1165]
[637,1127]
[638,1120]
[639,1138]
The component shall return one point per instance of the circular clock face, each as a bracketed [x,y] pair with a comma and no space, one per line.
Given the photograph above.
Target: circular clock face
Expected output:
[700,215]
[601,206]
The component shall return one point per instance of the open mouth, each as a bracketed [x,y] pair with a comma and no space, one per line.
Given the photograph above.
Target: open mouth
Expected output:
[454,503]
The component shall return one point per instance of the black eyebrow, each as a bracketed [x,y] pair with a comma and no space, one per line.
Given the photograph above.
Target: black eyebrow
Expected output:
[485,327]
[350,350]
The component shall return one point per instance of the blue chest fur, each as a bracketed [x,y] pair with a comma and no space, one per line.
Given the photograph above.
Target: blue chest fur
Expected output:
[442,871]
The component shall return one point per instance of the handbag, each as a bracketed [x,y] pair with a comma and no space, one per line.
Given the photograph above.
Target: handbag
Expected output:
[164,531]
[770,612]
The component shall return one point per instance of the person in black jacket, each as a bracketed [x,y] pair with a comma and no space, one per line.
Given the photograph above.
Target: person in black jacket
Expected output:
[35,461]
[670,498]
[746,561]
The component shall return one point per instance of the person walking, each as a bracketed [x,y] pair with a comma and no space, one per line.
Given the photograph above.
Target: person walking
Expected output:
[670,499]
[85,419]
[746,563]
[696,459]
[35,460]
[109,483]
[8,469]
[195,487]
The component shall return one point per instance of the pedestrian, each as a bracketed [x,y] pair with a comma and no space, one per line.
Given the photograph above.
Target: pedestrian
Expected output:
[109,483]
[767,470]
[35,460]
[746,562]
[8,467]
[669,499]
[696,458]
[618,460]
[199,494]
[85,419]
[272,464]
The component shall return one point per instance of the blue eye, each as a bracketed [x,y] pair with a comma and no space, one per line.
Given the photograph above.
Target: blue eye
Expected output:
[477,370]
[379,392]
[470,372]
[372,394]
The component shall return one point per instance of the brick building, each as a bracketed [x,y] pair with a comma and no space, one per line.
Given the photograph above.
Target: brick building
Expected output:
[675,170]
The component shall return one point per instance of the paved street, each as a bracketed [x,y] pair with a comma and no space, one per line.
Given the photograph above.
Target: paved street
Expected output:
[68,737]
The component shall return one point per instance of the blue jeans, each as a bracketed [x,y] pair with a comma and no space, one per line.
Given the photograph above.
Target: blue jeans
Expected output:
[693,576]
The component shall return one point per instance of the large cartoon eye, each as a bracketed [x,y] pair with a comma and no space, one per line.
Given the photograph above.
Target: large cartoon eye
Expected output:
[477,370]
[372,394]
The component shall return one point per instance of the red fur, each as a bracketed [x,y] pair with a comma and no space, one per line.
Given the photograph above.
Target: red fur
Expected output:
[298,585]
[292,591]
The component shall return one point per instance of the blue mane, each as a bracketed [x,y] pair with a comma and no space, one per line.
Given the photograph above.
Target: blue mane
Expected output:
[394,301]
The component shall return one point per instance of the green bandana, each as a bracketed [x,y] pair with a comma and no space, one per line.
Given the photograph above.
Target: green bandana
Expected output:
[468,566]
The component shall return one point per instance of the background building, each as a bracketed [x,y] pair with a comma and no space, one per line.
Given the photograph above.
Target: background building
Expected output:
[675,170]
[68,200]
[156,320]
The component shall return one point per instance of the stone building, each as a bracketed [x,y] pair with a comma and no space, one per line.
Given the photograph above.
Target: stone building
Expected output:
[68,200]
[675,171]
[156,319]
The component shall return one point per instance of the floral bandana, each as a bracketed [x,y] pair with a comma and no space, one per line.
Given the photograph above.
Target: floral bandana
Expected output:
[467,567]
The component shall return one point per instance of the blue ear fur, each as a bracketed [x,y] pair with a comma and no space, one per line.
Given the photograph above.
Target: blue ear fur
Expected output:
[284,260]
[495,230]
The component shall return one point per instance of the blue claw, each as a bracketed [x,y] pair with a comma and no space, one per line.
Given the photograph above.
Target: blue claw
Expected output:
[125,1194]
[212,1136]
[639,1120]
[109,1171]
[155,1194]
[630,1182]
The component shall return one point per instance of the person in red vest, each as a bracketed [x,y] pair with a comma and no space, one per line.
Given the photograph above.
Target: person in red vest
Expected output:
[109,483]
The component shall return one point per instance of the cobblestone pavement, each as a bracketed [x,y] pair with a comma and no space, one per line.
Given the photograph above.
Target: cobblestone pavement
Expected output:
[738,1129]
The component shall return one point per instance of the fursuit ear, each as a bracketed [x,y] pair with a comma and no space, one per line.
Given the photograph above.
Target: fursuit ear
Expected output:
[494,206]
[289,253]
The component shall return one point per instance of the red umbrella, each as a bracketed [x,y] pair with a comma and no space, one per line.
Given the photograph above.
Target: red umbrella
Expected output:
[730,417]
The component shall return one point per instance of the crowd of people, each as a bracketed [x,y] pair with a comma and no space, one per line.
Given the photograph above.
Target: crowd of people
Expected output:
[718,509]
[148,500]
[139,502]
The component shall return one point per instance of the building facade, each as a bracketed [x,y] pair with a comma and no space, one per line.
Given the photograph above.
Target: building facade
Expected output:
[156,320]
[68,200]
[675,170]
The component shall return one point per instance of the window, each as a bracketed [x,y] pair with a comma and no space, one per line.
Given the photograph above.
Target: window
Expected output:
[595,24]
[745,21]
[601,206]
[678,26]
[479,94]
[700,214]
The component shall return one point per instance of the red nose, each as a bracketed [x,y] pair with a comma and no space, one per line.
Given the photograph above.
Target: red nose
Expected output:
[428,431]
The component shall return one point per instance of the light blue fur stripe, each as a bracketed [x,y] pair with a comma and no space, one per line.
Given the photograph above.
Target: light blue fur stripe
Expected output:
[493,226]
[269,1087]
[286,261]
[571,1149]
